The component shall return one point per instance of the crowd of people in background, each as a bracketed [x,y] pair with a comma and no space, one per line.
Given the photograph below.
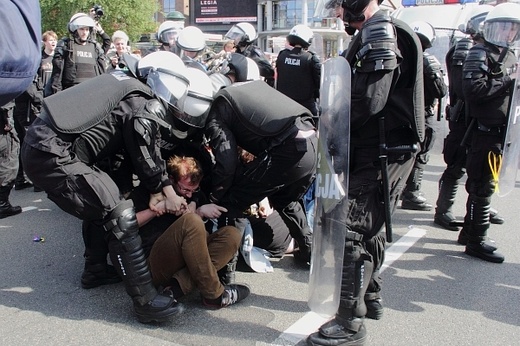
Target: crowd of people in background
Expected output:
[187,172]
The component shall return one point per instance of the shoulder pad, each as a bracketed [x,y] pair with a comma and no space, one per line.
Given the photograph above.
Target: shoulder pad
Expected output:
[432,66]
[461,51]
[475,61]
[379,45]
[155,107]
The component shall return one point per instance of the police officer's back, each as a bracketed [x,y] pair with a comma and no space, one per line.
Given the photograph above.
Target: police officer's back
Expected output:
[299,70]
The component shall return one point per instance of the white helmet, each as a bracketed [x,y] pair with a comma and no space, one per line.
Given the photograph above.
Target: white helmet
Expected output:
[166,28]
[300,35]
[475,20]
[165,74]
[425,31]
[244,69]
[502,24]
[80,20]
[243,34]
[198,99]
[191,39]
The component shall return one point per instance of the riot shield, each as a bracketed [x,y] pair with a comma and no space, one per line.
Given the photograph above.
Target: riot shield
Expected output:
[511,152]
[317,46]
[331,188]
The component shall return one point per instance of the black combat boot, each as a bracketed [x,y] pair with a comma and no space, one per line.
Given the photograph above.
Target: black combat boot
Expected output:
[97,271]
[347,327]
[477,218]
[494,218]
[129,260]
[412,197]
[447,193]
[6,209]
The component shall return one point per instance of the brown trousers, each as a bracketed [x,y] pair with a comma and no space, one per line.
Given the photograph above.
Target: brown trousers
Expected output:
[187,253]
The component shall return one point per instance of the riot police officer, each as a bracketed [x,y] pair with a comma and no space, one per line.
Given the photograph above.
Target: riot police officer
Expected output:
[244,35]
[434,89]
[191,42]
[454,151]
[298,70]
[116,112]
[167,35]
[386,88]
[487,86]
[82,57]
[282,137]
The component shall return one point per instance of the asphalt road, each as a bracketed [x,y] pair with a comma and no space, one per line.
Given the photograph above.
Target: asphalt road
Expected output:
[433,293]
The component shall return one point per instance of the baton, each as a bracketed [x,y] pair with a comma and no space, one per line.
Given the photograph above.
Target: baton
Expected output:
[383,158]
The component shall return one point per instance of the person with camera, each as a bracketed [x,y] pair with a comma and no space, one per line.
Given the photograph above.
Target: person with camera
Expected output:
[80,57]
[121,44]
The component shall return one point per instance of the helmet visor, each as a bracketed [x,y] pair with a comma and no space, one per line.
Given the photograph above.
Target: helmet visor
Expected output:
[195,109]
[235,34]
[502,33]
[170,87]
[327,8]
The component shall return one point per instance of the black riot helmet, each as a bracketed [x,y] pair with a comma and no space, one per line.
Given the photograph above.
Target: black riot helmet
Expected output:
[353,10]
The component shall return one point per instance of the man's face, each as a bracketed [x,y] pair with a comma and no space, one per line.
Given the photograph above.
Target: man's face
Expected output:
[83,33]
[50,44]
[185,187]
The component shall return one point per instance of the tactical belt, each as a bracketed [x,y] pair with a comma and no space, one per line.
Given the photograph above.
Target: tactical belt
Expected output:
[351,235]
[491,130]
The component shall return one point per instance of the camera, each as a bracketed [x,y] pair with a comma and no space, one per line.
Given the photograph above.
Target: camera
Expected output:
[98,11]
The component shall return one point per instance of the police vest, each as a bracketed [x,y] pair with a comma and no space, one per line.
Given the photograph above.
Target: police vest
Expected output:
[262,109]
[295,74]
[77,109]
[74,73]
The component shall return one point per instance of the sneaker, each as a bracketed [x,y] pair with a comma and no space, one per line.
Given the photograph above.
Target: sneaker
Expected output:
[374,309]
[160,309]
[232,295]
[90,279]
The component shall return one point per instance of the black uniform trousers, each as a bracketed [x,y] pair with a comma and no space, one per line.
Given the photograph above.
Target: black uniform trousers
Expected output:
[81,190]
[365,210]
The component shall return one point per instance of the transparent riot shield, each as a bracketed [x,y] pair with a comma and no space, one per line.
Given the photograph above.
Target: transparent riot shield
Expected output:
[331,188]
[317,46]
[511,153]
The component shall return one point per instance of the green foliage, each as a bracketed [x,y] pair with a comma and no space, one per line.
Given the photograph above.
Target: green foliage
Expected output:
[135,17]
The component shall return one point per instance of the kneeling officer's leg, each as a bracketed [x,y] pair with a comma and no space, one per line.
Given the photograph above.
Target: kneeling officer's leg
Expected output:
[129,259]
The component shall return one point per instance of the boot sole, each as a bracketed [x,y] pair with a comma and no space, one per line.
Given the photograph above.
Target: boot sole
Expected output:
[165,316]
[89,285]
[359,342]
[415,207]
[484,256]
[446,226]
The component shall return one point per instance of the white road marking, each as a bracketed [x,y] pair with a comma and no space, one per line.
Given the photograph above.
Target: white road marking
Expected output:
[311,321]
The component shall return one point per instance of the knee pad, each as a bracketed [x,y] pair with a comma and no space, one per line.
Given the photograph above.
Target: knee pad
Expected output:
[122,221]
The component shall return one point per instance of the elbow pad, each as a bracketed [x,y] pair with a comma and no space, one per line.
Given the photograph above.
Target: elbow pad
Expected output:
[432,66]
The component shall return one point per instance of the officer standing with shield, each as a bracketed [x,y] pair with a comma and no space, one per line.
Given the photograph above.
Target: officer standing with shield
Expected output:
[388,105]
[487,86]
